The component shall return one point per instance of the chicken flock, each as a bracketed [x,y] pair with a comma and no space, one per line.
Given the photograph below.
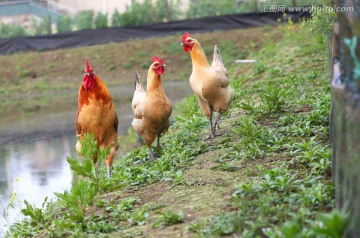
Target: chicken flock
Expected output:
[152,108]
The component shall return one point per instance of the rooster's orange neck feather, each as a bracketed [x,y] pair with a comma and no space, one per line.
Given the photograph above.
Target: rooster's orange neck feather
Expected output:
[98,92]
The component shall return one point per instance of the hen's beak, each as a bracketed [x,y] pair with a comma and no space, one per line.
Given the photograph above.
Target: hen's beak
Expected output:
[182,44]
[164,65]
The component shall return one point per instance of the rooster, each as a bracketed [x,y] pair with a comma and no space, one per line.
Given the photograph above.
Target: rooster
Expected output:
[97,115]
[152,109]
[210,83]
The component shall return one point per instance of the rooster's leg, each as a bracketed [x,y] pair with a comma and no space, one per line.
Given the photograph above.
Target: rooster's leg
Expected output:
[158,141]
[212,131]
[151,153]
[217,121]
[108,172]
[109,161]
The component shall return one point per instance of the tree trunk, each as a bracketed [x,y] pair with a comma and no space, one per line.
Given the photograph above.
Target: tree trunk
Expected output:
[293,3]
[255,6]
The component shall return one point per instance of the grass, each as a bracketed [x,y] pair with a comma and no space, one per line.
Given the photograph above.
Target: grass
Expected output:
[115,63]
[268,175]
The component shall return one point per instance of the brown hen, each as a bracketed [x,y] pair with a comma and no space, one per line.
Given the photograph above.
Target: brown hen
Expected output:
[152,109]
[210,83]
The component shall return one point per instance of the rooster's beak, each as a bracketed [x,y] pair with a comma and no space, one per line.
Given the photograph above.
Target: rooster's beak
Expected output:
[182,44]
[164,65]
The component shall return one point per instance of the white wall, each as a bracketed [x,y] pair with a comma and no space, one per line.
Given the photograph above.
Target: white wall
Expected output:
[105,5]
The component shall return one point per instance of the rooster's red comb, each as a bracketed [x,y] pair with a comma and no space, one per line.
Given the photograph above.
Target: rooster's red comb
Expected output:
[157,59]
[185,35]
[88,68]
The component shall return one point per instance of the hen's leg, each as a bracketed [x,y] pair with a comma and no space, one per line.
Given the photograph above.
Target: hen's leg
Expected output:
[205,107]
[212,130]
[217,121]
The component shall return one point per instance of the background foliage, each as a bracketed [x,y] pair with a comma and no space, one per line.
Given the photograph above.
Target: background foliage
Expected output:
[147,12]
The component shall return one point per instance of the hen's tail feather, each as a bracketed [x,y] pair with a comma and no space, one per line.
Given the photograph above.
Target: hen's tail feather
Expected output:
[217,56]
[137,77]
[218,63]
[137,80]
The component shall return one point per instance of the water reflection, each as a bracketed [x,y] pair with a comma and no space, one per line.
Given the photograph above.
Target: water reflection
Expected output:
[41,169]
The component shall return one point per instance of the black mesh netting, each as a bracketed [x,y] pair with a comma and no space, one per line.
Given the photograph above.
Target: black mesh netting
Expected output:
[118,34]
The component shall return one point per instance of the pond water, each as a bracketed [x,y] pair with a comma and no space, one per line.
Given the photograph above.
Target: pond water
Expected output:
[33,150]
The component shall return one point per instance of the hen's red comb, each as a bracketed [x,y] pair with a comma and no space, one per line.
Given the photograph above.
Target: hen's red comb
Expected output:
[157,59]
[88,68]
[185,35]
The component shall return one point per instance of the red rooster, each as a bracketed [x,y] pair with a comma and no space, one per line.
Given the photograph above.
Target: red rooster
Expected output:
[97,115]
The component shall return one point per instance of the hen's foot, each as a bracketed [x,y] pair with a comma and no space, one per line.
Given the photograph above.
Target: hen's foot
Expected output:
[216,122]
[108,172]
[211,136]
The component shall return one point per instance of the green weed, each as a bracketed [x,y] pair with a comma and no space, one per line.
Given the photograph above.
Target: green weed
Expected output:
[80,196]
[260,68]
[331,224]
[100,227]
[139,217]
[168,218]
[111,66]
[122,210]
[37,215]
[85,167]
[273,99]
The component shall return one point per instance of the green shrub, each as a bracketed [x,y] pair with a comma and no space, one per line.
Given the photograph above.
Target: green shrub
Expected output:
[165,11]
[321,22]
[63,24]
[116,18]
[11,31]
[137,13]
[47,24]
[295,2]
[84,20]
[204,8]
[41,27]
[147,12]
[101,20]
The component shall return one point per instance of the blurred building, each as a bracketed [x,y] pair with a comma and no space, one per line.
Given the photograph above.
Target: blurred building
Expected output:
[21,11]
[63,7]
